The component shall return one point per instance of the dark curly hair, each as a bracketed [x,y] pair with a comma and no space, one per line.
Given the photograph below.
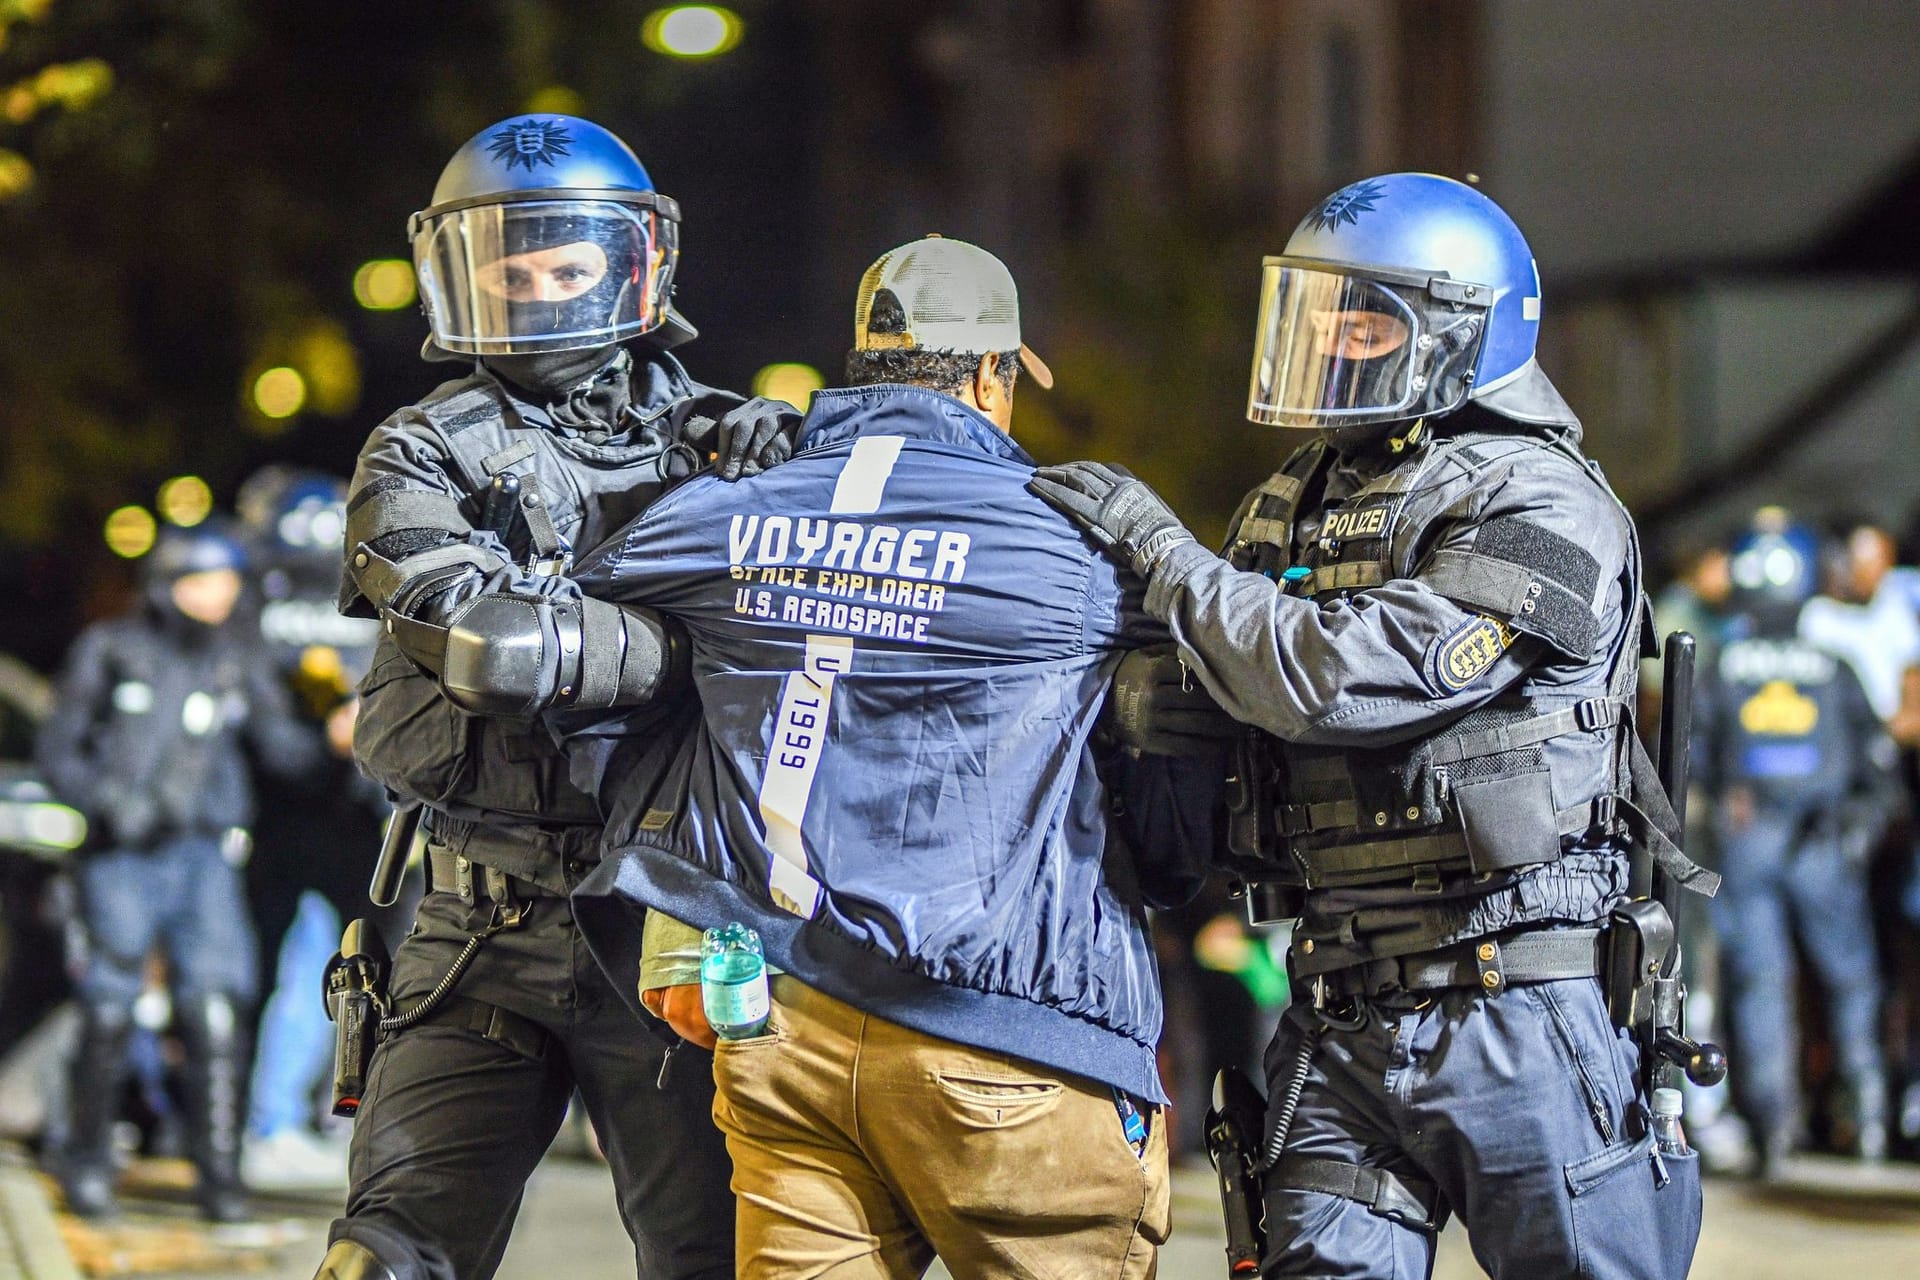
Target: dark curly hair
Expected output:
[941,370]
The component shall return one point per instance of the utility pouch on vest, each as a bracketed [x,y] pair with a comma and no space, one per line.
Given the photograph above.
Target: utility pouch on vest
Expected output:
[1254,847]
[1509,822]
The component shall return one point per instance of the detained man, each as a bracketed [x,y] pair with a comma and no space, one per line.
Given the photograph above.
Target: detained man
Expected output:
[900,655]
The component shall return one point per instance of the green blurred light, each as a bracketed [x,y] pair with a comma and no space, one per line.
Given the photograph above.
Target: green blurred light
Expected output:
[385,284]
[279,392]
[185,501]
[691,31]
[130,532]
[793,383]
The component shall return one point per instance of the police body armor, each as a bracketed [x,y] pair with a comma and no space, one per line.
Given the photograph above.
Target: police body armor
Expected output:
[1786,733]
[1508,785]
[171,729]
[571,490]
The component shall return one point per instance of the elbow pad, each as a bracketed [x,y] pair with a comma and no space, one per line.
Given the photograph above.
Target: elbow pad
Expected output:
[519,656]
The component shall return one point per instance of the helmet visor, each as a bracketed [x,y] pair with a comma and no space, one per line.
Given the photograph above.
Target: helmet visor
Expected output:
[1336,350]
[544,275]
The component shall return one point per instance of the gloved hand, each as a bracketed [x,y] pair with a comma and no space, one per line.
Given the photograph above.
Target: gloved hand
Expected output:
[749,439]
[1125,516]
[1157,708]
[681,1008]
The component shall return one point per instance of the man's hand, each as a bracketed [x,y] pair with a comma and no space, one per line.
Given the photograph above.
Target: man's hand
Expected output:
[749,439]
[1126,517]
[680,1008]
[1157,708]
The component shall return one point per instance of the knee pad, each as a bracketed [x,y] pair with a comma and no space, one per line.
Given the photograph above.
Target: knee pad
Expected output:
[351,1260]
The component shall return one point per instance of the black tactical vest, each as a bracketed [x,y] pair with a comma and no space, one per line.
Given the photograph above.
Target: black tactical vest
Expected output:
[1513,782]
[573,490]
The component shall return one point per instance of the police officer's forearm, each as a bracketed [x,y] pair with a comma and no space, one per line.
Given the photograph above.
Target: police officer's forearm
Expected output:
[1353,673]
[519,656]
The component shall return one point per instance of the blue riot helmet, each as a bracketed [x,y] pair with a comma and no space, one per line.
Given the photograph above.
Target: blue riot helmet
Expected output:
[294,513]
[1397,298]
[545,234]
[207,547]
[1776,570]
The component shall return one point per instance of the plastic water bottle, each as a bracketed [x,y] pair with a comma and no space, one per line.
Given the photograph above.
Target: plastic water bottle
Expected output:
[1667,1133]
[733,981]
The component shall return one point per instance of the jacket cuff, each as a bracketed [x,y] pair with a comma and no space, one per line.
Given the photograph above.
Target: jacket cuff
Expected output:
[669,952]
[1175,570]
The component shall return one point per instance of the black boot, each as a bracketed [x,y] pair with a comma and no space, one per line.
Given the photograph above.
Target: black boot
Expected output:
[85,1166]
[215,1037]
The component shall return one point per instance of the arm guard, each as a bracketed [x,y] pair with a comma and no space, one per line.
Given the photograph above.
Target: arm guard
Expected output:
[511,655]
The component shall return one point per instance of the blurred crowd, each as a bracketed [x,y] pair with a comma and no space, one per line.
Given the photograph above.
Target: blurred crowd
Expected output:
[137,1018]
[182,833]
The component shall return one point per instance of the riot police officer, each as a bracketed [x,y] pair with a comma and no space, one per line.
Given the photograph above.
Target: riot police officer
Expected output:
[545,250]
[147,739]
[1802,774]
[1431,617]
[308,870]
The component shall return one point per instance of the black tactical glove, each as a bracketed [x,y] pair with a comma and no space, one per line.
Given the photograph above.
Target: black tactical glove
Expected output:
[1158,708]
[1125,517]
[749,439]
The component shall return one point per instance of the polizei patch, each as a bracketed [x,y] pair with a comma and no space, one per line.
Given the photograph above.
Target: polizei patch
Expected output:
[1360,522]
[1464,654]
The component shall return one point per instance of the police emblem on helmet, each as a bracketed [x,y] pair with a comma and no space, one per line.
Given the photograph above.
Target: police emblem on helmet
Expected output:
[531,142]
[1346,205]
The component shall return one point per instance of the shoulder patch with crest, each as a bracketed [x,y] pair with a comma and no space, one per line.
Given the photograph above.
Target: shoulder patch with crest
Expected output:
[1463,655]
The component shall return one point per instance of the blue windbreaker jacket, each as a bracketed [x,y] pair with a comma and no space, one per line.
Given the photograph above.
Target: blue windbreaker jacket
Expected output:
[899,653]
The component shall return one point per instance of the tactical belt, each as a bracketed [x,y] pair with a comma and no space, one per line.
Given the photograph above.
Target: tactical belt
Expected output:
[1484,964]
[502,1026]
[511,840]
[471,881]
[1411,1201]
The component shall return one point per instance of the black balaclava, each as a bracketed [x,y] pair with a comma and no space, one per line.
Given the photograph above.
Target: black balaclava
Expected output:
[583,390]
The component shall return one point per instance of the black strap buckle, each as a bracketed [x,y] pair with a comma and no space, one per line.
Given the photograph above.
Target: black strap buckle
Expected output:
[1606,814]
[1596,713]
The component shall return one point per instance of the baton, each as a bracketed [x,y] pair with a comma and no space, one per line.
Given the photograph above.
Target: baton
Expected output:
[1676,734]
[395,848]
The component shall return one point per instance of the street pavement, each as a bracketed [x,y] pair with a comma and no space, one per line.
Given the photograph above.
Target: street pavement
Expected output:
[1830,1217]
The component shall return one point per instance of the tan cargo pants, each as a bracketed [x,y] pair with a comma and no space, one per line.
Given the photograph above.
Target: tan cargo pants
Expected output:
[862,1149]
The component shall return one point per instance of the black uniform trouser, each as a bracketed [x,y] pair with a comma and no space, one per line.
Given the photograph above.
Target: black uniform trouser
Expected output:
[453,1122]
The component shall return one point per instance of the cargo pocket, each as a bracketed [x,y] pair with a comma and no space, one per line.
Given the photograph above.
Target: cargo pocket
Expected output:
[1624,1223]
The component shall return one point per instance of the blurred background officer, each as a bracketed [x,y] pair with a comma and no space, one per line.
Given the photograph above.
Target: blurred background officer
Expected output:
[544,250]
[1802,773]
[147,740]
[894,783]
[308,870]
[1433,614]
